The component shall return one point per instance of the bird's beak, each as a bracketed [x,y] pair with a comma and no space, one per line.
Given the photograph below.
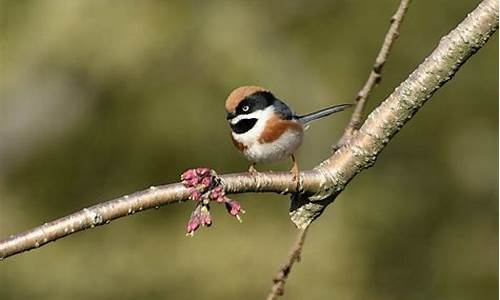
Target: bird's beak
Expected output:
[230,115]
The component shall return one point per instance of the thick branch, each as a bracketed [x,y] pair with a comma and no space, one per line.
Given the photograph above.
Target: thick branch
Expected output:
[326,181]
[361,151]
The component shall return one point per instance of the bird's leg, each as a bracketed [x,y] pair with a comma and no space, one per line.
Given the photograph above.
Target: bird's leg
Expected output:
[295,169]
[252,169]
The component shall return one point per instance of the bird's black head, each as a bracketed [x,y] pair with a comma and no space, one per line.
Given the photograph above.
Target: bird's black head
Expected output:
[259,100]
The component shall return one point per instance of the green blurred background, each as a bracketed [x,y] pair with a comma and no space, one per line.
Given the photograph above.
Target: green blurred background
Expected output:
[103,98]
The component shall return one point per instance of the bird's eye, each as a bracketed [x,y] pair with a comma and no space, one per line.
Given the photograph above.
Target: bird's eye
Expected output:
[245,108]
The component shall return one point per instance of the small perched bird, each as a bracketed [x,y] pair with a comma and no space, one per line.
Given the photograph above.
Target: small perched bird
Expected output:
[264,128]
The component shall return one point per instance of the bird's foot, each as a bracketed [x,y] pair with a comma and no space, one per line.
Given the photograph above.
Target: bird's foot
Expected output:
[295,177]
[296,173]
[252,170]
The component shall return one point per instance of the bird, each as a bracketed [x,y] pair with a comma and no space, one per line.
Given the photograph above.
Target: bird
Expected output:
[265,129]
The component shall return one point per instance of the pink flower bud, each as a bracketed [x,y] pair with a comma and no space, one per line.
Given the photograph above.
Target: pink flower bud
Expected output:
[203,171]
[217,194]
[189,174]
[193,224]
[206,182]
[194,194]
[205,218]
[234,208]
[190,178]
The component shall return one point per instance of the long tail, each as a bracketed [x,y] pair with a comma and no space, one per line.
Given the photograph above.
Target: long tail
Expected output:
[322,113]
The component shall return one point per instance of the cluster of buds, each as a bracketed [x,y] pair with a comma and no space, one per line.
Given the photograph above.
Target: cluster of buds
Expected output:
[204,187]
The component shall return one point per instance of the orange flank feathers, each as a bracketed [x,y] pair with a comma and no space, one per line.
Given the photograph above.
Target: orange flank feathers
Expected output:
[275,127]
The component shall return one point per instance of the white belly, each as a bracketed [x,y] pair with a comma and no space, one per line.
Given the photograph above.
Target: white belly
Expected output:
[281,148]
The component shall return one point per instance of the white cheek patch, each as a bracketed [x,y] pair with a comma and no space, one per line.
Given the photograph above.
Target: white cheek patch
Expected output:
[250,137]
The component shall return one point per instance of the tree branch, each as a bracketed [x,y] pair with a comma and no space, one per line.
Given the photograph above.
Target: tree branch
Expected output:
[321,185]
[278,288]
[154,197]
[376,72]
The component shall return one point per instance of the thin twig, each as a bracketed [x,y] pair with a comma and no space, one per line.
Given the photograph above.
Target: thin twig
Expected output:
[278,288]
[375,74]
[326,180]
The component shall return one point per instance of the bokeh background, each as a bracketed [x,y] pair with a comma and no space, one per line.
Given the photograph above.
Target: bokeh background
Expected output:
[102,98]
